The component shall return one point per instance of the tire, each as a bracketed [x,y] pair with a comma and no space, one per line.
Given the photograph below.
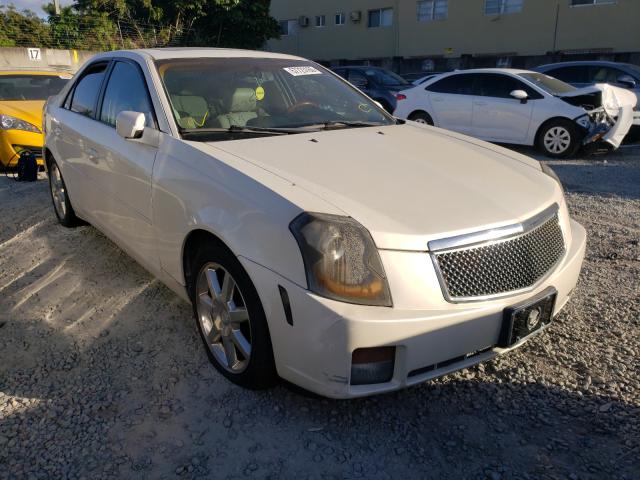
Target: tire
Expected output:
[558,138]
[421,117]
[230,318]
[60,198]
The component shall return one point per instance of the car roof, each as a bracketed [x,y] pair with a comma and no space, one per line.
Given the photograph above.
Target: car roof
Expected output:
[184,52]
[584,62]
[513,71]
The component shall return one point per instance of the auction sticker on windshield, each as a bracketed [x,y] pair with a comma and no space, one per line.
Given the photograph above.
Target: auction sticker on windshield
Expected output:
[298,71]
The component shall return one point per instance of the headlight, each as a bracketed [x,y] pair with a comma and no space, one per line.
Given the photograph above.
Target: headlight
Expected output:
[340,259]
[584,121]
[7,122]
[549,171]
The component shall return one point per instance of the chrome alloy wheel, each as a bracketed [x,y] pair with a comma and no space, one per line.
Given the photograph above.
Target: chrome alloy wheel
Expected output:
[223,317]
[557,140]
[58,192]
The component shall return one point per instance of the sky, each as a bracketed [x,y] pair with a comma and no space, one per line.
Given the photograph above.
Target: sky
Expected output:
[35,5]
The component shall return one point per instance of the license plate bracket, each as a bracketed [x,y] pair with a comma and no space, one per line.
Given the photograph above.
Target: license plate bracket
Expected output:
[520,321]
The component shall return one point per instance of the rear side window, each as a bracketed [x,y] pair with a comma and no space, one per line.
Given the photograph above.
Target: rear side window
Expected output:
[575,74]
[85,93]
[126,90]
[454,84]
[500,86]
[604,74]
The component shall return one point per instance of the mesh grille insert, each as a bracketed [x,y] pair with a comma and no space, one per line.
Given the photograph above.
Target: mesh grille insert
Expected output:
[506,266]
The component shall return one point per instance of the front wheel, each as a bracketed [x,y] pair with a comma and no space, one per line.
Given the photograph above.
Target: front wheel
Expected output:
[231,320]
[558,139]
[60,197]
[421,117]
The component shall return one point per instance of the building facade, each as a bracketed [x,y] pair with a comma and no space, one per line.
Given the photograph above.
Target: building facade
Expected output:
[424,35]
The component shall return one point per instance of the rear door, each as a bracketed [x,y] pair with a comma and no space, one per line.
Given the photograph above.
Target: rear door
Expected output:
[497,116]
[126,165]
[70,131]
[451,100]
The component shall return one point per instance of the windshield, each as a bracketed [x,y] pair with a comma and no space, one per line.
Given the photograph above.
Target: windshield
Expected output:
[549,84]
[386,78]
[228,93]
[30,87]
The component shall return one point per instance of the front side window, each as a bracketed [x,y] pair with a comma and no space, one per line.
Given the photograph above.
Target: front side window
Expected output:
[85,93]
[30,87]
[321,20]
[460,84]
[549,84]
[126,91]
[220,94]
[429,10]
[340,18]
[604,74]
[500,86]
[496,7]
[382,17]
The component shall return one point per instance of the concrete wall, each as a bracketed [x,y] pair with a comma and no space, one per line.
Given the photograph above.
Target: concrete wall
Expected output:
[466,31]
[22,57]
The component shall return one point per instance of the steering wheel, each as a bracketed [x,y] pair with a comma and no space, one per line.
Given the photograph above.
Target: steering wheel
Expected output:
[301,106]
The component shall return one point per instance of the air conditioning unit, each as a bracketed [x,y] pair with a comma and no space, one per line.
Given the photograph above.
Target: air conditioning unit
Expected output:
[355,16]
[303,21]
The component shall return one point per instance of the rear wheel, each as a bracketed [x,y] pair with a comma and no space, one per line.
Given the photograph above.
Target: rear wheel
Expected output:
[60,197]
[558,138]
[231,320]
[421,117]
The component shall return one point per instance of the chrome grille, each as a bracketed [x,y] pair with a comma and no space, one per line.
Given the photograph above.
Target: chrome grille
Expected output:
[501,266]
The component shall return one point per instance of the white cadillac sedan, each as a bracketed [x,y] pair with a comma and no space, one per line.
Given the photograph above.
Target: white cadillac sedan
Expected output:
[319,239]
[520,107]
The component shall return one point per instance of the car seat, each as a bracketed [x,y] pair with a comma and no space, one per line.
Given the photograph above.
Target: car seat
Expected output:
[191,111]
[242,107]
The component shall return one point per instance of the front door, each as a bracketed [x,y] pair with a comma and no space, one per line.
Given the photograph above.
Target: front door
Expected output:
[497,116]
[126,165]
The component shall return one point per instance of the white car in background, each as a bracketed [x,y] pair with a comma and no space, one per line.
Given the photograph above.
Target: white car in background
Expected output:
[520,107]
[318,238]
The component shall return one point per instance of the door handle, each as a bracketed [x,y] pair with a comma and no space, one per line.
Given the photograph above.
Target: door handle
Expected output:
[480,104]
[438,99]
[92,153]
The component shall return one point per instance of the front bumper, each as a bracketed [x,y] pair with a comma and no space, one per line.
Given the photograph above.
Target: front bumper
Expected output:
[13,141]
[315,352]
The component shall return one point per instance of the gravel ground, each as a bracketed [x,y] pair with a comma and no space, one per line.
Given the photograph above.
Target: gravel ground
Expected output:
[102,374]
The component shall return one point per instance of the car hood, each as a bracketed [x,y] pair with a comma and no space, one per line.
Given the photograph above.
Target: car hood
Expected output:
[407,184]
[27,110]
[610,97]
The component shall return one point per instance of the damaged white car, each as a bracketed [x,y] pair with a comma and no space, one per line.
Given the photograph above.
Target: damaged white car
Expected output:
[522,107]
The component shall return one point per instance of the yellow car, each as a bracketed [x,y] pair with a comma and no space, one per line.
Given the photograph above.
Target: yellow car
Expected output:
[22,96]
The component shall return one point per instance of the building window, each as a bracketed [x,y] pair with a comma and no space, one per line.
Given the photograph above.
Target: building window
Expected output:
[496,7]
[340,18]
[577,3]
[288,27]
[429,10]
[382,17]
[321,20]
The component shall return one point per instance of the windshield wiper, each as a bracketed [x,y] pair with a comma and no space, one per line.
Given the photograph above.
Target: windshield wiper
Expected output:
[239,129]
[342,123]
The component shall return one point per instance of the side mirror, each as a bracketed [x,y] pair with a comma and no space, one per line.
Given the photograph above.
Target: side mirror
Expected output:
[627,81]
[520,95]
[130,124]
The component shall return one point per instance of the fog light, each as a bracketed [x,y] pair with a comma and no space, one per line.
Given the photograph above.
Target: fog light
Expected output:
[372,365]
